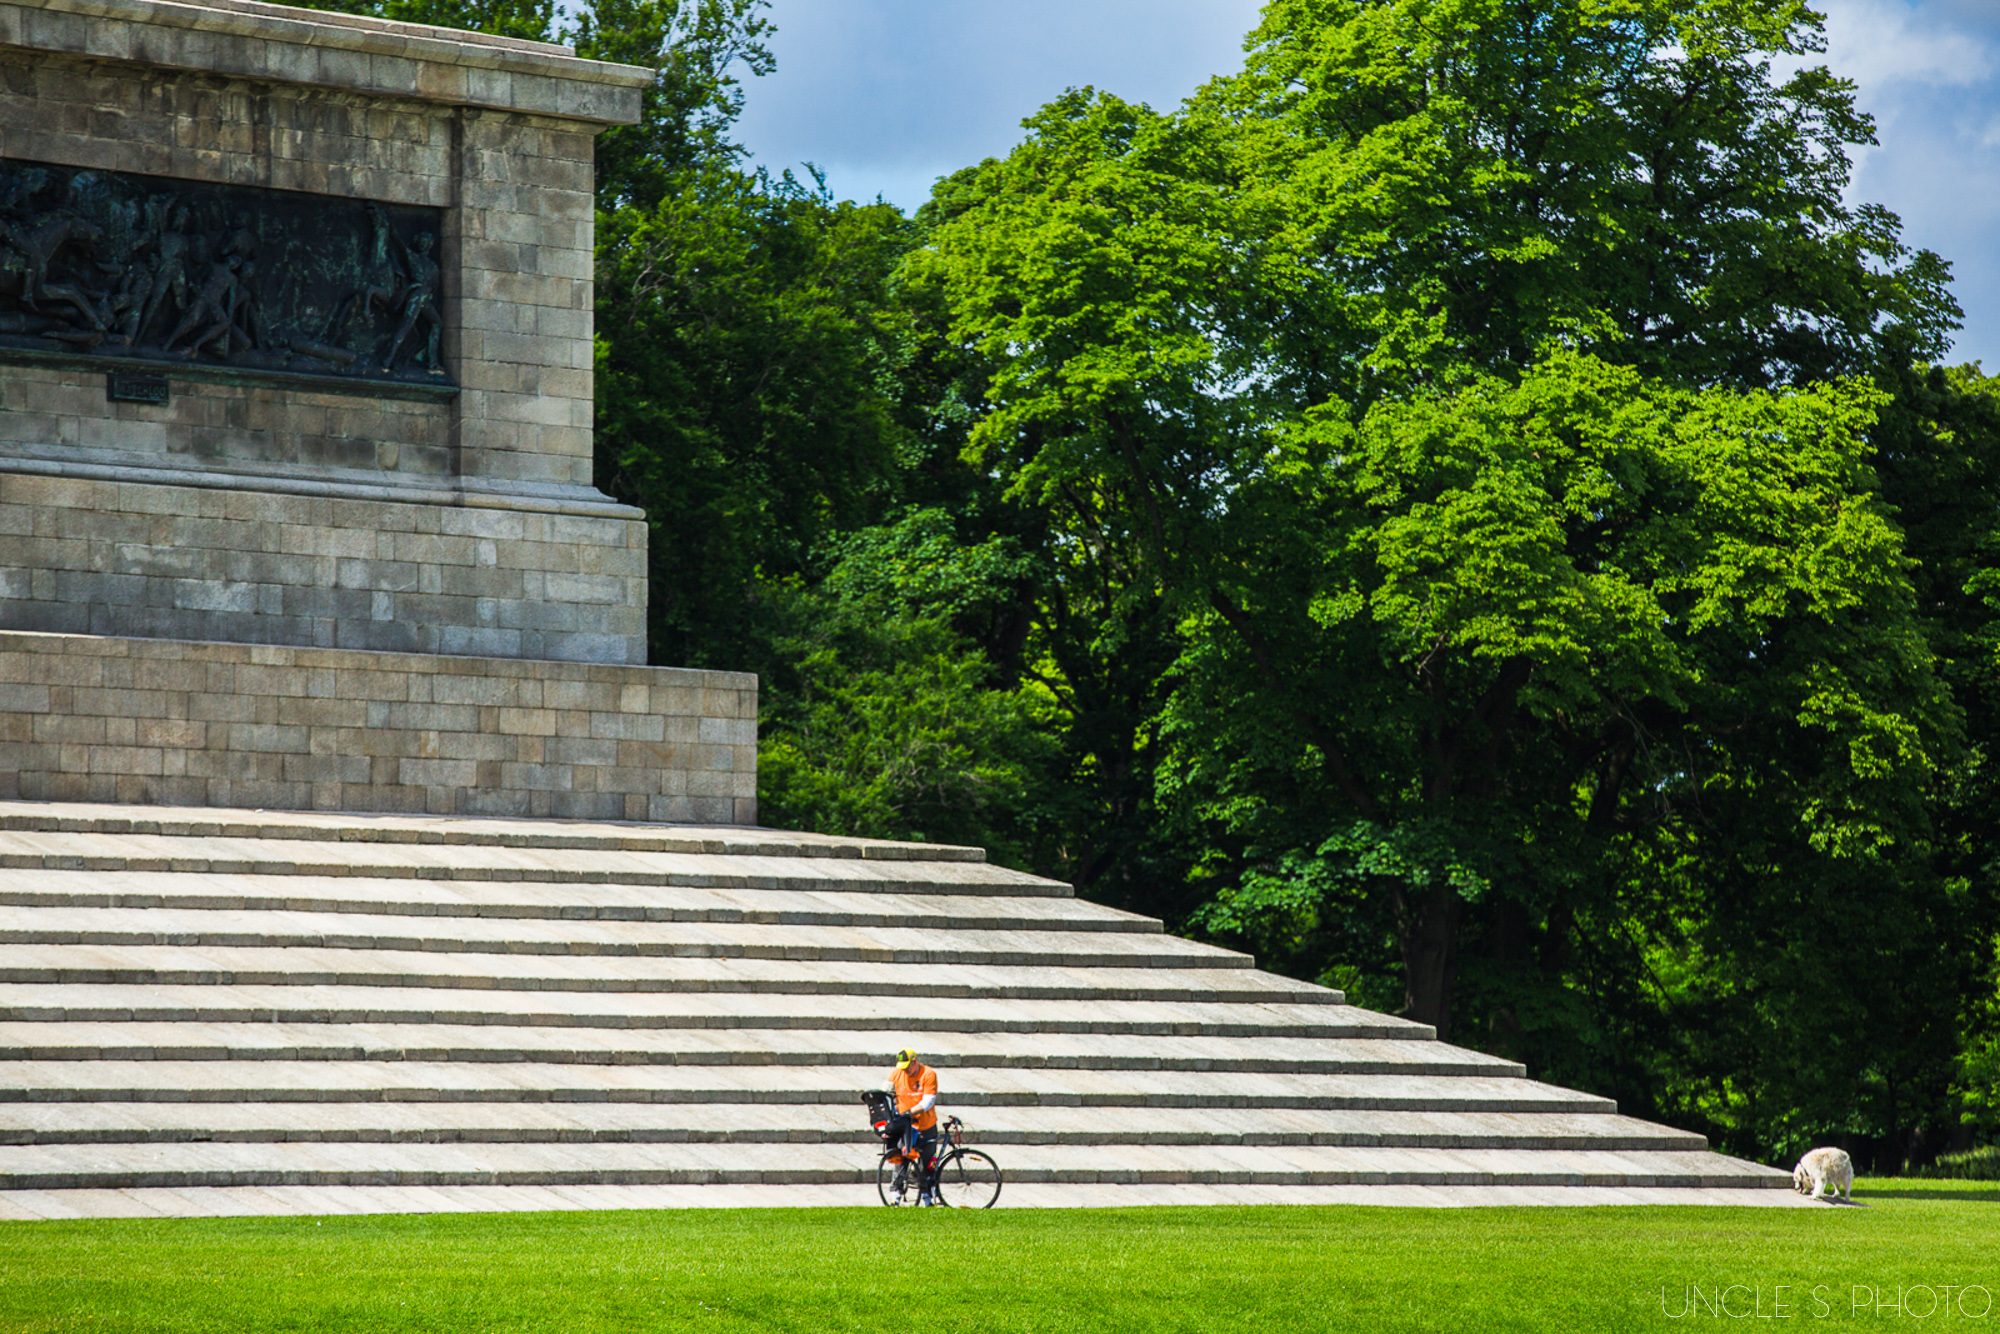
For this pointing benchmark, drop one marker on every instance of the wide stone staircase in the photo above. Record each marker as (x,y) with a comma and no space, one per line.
(209,1011)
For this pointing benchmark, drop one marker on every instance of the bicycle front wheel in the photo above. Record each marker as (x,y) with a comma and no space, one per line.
(893,1179)
(968,1179)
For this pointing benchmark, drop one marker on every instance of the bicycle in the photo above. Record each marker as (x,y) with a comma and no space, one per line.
(958,1178)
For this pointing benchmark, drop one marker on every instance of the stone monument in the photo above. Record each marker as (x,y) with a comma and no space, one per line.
(296,507)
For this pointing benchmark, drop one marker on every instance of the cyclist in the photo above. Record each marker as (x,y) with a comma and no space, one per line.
(915,1088)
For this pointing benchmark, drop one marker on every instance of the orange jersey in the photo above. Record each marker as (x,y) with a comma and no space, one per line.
(909,1092)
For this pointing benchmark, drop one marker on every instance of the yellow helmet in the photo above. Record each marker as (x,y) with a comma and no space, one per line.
(904,1058)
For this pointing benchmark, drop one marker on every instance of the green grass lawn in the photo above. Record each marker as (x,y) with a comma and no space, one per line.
(911,1272)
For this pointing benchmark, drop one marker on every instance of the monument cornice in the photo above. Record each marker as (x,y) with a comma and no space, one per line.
(351,53)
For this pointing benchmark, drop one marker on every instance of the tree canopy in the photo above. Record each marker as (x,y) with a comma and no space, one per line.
(1493,397)
(1464,505)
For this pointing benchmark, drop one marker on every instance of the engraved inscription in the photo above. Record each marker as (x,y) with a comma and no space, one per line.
(206,281)
(152,389)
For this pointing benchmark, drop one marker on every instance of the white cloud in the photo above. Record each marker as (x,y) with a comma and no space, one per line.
(1928,71)
(1878,43)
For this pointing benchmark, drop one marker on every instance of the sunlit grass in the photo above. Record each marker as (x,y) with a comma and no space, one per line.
(1236,1269)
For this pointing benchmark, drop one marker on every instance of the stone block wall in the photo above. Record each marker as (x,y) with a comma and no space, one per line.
(516,255)
(85,718)
(522,236)
(111,557)
(61,417)
(339,551)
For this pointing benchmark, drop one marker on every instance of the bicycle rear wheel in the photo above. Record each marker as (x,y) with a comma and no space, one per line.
(894,1179)
(968,1179)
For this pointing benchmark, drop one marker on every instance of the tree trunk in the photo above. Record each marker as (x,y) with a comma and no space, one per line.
(1428,928)
(1889,1157)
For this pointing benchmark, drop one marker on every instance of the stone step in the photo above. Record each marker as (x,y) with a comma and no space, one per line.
(141,965)
(254,929)
(824,1123)
(294,1201)
(435,1083)
(323,1008)
(421,830)
(78,1003)
(98,854)
(51,1042)
(121,1166)
(812,904)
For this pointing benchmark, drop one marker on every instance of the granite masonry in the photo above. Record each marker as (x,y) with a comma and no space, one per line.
(260,488)
(227,1012)
(90,718)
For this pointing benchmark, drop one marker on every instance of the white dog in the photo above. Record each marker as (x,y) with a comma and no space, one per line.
(1824,1170)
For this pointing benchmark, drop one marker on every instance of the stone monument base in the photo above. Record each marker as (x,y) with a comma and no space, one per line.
(445,567)
(160,721)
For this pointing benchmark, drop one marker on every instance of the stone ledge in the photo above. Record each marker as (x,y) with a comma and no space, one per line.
(409,1163)
(198,1201)
(326,482)
(244,39)
(724,1122)
(536,836)
(178,722)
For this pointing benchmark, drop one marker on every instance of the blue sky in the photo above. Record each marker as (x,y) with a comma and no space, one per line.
(887,95)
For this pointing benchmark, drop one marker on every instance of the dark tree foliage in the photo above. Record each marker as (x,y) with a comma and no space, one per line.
(746,370)
(1452,718)
(695,48)
(1462,506)
(529,20)
(1471,176)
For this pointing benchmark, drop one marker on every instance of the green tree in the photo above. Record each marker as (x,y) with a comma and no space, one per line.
(1499,634)
(746,394)
(529,20)
(1114,257)
(1938,455)
(1468,177)
(889,720)
(1184,314)
(695,48)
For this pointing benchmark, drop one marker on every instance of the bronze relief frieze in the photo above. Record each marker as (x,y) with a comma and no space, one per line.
(125,273)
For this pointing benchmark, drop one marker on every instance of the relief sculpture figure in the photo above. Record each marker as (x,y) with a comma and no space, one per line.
(25,268)
(169,270)
(246,320)
(419,304)
(380,283)
(213,310)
